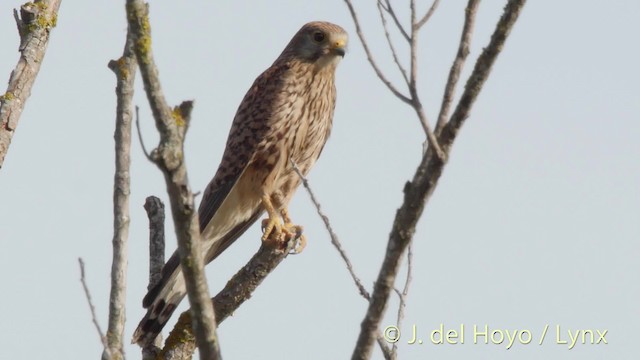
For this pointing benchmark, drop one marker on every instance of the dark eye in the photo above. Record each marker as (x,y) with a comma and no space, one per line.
(318,36)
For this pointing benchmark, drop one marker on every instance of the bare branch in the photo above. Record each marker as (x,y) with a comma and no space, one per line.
(413,98)
(481,71)
(125,70)
(377,70)
(169,157)
(420,188)
(94,318)
(427,16)
(388,8)
(35,22)
(334,238)
(155,213)
(458,63)
(394,53)
(181,342)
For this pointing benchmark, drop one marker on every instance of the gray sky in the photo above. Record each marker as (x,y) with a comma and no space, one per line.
(534,221)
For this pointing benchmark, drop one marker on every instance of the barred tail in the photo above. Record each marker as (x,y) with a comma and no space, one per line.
(161,301)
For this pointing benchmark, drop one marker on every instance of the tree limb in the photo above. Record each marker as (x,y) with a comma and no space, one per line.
(458,63)
(181,341)
(34,26)
(169,157)
(481,71)
(125,70)
(419,189)
(155,213)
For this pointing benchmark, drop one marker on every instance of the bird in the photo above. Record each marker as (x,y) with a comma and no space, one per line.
(281,125)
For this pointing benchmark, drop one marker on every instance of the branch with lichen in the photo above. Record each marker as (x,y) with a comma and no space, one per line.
(172,125)
(125,70)
(418,191)
(35,22)
(180,343)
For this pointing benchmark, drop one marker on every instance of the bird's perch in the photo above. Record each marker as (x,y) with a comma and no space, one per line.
(235,293)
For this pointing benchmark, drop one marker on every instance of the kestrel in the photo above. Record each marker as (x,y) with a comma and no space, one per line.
(285,117)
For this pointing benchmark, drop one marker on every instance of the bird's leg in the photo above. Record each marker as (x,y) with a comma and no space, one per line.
(271,226)
(293,231)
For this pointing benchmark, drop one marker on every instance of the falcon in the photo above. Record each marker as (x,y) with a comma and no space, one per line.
(285,118)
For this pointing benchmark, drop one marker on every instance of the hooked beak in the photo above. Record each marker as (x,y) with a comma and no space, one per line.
(339,47)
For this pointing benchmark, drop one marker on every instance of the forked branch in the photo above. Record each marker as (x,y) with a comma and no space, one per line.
(172,125)
(418,191)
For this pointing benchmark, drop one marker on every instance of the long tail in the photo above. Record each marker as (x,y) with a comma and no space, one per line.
(161,301)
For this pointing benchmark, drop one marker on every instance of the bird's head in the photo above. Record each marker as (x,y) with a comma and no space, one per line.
(319,42)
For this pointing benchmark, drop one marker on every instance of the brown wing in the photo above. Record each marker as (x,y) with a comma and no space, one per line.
(249,127)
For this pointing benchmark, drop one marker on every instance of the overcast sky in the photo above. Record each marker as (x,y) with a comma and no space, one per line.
(534,221)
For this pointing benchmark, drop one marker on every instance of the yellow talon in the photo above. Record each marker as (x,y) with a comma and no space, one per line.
(278,233)
(272,229)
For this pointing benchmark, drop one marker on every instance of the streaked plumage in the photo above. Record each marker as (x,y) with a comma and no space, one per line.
(286,115)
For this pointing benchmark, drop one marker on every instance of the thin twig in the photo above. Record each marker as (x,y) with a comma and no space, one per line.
(427,16)
(402,296)
(375,67)
(92,308)
(418,191)
(334,238)
(413,88)
(386,351)
(458,63)
(394,53)
(125,70)
(391,12)
(144,148)
(35,23)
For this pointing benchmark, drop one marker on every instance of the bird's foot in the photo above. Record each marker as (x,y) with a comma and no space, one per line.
(295,234)
(279,235)
(272,230)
